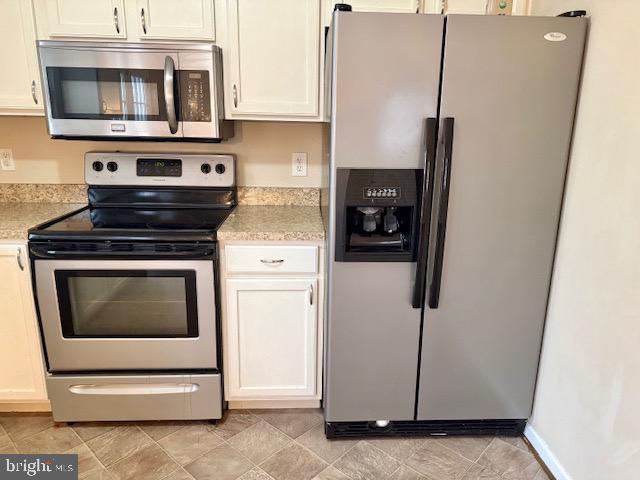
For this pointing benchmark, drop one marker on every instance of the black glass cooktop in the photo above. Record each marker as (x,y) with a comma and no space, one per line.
(110,223)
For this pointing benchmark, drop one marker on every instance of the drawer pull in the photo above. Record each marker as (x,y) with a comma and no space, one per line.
(134,388)
(272,262)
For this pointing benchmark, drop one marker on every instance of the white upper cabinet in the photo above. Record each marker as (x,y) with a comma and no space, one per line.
(20,85)
(271,52)
(21,365)
(183,20)
(82,18)
(473,7)
(392,6)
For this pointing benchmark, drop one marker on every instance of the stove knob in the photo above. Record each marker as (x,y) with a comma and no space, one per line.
(205,168)
(220,168)
(112,166)
(97,166)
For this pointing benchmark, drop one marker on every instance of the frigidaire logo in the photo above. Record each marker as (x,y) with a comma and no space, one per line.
(45,466)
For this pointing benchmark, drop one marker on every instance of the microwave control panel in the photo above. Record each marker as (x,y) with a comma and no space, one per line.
(195,95)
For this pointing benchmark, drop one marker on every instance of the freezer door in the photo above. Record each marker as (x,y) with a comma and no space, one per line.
(507,108)
(386,70)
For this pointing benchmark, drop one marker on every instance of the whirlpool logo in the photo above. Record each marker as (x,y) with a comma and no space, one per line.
(51,467)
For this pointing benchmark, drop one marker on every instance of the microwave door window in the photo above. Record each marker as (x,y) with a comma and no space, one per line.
(106,94)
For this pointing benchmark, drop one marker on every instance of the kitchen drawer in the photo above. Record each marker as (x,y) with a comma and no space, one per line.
(271,259)
(77,398)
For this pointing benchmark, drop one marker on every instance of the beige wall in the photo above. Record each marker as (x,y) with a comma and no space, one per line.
(587,405)
(263,151)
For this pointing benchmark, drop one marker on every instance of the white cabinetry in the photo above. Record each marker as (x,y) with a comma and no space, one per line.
(391,6)
(271,58)
(21,366)
(272,323)
(272,326)
(474,7)
(20,85)
(184,20)
(82,18)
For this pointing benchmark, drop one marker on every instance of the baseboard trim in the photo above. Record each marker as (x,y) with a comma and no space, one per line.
(248,404)
(546,455)
(25,406)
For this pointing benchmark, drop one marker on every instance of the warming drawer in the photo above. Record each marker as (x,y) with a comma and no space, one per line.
(77,398)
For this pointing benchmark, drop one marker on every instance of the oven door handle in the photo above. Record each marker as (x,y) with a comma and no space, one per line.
(134,388)
(169,97)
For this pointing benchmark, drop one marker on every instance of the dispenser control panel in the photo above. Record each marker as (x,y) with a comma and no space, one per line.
(374,193)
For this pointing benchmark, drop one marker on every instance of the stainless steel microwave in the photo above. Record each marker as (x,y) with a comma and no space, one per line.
(153,91)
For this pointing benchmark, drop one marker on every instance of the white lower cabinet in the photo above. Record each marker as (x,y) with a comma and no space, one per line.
(272,323)
(272,337)
(21,366)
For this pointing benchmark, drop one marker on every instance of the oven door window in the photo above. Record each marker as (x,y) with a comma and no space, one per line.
(127,304)
(107,93)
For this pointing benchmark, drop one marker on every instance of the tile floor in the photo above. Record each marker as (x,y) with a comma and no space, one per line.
(262,445)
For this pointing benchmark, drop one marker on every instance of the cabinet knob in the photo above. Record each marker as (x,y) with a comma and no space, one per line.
(33,92)
(235,96)
(143,21)
(116,21)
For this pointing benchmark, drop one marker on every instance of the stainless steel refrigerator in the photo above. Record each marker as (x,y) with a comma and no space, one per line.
(446,153)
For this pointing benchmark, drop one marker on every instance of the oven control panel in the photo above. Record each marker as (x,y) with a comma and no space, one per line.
(168,169)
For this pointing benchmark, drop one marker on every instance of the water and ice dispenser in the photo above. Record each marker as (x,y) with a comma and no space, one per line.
(377,214)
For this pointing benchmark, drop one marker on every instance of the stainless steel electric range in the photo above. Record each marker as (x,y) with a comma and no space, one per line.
(127,289)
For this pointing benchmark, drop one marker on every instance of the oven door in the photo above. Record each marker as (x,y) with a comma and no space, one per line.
(127,314)
(107,92)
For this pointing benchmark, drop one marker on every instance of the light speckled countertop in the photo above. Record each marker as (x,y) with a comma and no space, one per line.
(17,218)
(273,222)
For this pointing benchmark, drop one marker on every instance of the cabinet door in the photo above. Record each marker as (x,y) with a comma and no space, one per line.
(21,368)
(273,57)
(20,85)
(184,20)
(272,337)
(82,18)
(477,7)
(392,6)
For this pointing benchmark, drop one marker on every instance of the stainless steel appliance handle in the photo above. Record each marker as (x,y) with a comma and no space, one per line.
(19,259)
(443,207)
(272,262)
(143,21)
(169,85)
(134,388)
(116,21)
(431,142)
(33,92)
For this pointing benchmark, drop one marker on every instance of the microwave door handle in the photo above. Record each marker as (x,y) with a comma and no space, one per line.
(169,98)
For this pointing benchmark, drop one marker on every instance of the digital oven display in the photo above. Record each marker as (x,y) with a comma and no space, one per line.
(158,167)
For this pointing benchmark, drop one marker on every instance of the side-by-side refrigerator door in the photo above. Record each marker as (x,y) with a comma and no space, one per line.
(386,72)
(507,109)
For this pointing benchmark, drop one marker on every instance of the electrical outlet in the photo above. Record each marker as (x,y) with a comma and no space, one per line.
(299,164)
(6,159)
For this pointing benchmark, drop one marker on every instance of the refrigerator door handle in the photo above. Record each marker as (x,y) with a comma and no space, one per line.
(431,142)
(443,207)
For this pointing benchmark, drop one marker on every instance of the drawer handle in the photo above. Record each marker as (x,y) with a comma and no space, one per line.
(272,262)
(134,388)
